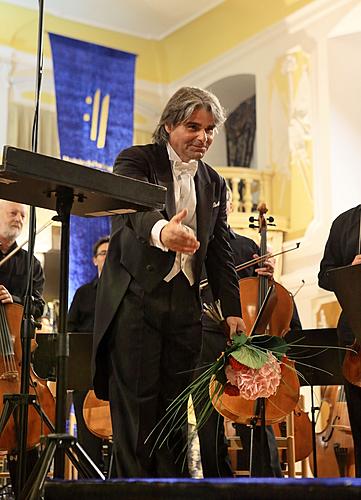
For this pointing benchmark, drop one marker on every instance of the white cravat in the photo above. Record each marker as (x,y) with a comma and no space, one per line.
(184,175)
(185,197)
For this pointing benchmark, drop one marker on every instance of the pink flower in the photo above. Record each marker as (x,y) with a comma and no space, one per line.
(255,383)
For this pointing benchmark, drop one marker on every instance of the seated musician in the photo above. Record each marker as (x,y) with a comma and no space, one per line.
(13,284)
(81,319)
(213,445)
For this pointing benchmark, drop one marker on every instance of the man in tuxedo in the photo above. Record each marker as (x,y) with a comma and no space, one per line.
(148,310)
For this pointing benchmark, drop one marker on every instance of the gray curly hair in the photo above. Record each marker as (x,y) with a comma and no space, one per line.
(180,107)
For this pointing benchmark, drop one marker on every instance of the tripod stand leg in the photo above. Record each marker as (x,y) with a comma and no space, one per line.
(35,482)
(62,443)
(8,409)
(111,464)
(82,462)
(43,416)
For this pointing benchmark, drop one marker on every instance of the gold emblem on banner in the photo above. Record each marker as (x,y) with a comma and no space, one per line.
(98,117)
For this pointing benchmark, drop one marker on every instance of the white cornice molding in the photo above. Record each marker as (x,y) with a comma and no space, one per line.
(6,54)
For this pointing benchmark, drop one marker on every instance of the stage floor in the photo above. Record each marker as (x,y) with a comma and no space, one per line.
(209,489)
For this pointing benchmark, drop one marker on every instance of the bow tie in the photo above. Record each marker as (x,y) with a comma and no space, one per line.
(181,167)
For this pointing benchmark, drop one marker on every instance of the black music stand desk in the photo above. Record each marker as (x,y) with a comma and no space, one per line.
(68,188)
(346,283)
(317,356)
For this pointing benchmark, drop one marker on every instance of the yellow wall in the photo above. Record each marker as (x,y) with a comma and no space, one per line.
(207,37)
(221,29)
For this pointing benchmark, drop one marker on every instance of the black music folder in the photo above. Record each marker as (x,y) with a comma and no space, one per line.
(80,352)
(346,283)
(36,179)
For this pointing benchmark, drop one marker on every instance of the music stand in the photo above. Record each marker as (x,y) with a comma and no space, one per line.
(346,283)
(68,188)
(317,365)
(80,352)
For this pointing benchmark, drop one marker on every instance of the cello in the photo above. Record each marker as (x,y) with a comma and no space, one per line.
(253,291)
(96,414)
(334,443)
(10,365)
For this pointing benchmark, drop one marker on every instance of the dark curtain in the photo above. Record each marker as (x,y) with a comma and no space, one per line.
(240,132)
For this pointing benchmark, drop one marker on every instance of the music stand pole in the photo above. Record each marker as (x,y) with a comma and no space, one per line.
(29,326)
(64,204)
(56,445)
(26,336)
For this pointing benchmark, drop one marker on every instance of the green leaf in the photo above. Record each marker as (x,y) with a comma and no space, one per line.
(251,357)
(277,345)
(239,340)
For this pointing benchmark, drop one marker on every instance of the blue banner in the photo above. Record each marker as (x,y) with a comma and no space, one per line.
(94,88)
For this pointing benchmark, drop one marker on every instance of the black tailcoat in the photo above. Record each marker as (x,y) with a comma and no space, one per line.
(131,257)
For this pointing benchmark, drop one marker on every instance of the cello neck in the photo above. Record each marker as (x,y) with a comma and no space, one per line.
(263,280)
(262,224)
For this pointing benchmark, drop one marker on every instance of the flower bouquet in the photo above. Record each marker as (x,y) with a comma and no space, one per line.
(249,368)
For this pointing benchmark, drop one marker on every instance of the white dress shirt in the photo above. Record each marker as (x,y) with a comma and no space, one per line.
(185,197)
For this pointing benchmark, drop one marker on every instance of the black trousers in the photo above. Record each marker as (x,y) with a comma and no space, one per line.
(213,444)
(155,341)
(353,399)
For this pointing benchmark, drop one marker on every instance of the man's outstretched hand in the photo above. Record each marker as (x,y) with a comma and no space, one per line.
(178,237)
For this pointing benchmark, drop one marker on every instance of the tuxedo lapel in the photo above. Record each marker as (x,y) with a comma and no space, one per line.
(163,173)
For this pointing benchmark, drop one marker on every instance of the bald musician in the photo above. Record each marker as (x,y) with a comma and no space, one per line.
(13,284)
(14,271)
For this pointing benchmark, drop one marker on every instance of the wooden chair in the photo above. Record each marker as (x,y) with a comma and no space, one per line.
(283,443)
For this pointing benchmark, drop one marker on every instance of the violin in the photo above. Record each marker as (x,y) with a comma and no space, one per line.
(334,443)
(302,434)
(10,365)
(276,321)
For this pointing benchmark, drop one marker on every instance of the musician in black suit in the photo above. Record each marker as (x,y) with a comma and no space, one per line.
(81,319)
(343,248)
(147,323)
(213,445)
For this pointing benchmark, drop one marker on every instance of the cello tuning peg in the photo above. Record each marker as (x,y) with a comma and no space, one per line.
(251,219)
(270,219)
(252,226)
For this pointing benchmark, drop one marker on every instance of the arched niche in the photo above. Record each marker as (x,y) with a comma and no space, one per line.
(231,91)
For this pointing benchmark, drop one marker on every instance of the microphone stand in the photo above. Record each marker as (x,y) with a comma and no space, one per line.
(59,443)
(21,401)
(29,325)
